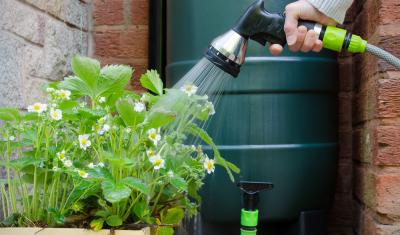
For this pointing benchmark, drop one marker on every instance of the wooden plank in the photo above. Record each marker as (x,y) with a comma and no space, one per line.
(69,231)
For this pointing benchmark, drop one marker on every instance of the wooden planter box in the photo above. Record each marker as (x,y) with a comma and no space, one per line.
(69,231)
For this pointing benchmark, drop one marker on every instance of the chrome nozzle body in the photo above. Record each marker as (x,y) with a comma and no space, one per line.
(232,45)
(228,52)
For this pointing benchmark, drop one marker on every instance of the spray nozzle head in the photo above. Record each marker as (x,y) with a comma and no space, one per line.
(228,51)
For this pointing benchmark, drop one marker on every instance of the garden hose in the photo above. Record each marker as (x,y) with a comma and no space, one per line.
(337,39)
(391,59)
(228,51)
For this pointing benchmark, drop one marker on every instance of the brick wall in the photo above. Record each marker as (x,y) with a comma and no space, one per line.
(121,34)
(37,40)
(374,88)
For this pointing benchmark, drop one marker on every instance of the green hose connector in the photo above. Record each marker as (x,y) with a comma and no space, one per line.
(357,44)
(249,218)
(248,232)
(337,39)
(334,38)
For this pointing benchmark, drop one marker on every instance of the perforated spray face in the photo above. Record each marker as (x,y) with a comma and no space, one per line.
(228,52)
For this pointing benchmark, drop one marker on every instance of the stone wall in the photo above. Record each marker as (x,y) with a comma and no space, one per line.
(37,40)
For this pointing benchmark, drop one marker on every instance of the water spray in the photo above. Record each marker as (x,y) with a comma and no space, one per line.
(228,51)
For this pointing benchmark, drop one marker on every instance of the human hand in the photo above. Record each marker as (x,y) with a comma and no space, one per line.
(297,37)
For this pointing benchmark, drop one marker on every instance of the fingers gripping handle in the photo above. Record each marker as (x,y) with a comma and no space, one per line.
(262,26)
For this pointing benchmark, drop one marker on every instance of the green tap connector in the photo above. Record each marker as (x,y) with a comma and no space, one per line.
(249,218)
(337,39)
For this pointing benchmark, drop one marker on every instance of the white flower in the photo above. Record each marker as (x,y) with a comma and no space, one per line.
(55,168)
(157,161)
(67,163)
(139,107)
(56,114)
(106,127)
(64,94)
(50,90)
(128,130)
(170,174)
(210,108)
(189,89)
(100,164)
(61,155)
(82,174)
(91,165)
(151,153)
(37,108)
(154,136)
(11,138)
(209,165)
(84,141)
(102,99)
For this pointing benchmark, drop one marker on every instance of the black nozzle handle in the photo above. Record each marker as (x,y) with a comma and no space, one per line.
(262,26)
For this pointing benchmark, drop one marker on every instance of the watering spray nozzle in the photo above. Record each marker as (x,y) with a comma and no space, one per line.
(228,51)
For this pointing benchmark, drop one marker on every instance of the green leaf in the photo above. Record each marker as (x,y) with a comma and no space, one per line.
(11,220)
(173,216)
(30,116)
(9,114)
(81,190)
(125,108)
(115,192)
(56,216)
(97,224)
(151,80)
(150,99)
(136,184)
(68,104)
(179,183)
(117,162)
(21,162)
(102,213)
(88,113)
(197,131)
(117,72)
(164,230)
(77,86)
(114,221)
(100,173)
(114,78)
(192,191)
(140,209)
(159,117)
(86,69)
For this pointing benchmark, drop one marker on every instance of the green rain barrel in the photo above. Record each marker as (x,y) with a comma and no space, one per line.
(277,121)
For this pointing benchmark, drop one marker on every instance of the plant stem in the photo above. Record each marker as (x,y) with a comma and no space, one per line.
(3,190)
(157,198)
(2,202)
(10,185)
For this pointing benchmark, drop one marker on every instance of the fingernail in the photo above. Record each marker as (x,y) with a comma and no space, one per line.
(291,40)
